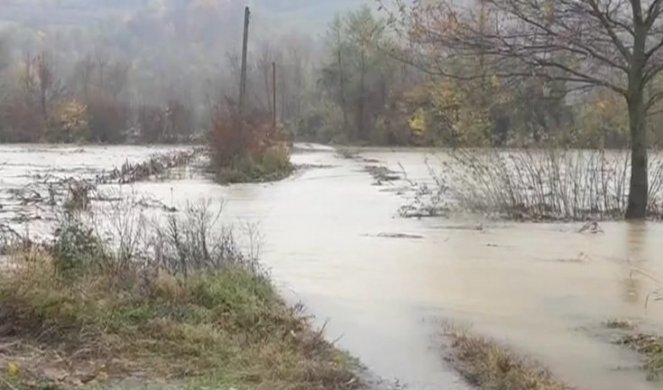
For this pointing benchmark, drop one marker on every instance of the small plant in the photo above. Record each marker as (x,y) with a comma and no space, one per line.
(77,247)
(78,195)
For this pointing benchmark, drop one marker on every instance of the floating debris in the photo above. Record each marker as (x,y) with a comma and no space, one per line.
(381,174)
(591,227)
(401,236)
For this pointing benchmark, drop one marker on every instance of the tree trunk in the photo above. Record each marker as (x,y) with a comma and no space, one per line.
(639,186)
(42,103)
(341,81)
(361,128)
(637,112)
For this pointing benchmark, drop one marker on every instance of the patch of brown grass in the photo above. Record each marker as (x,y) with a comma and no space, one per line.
(491,366)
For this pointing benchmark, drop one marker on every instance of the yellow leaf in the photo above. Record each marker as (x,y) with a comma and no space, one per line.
(12,369)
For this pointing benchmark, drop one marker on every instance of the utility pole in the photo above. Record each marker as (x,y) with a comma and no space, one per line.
(245,48)
(274,97)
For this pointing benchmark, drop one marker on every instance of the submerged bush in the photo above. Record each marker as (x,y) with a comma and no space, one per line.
(547,184)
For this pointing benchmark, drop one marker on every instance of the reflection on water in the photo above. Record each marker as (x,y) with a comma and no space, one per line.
(542,288)
(635,242)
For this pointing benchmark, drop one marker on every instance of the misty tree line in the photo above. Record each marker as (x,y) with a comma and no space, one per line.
(158,75)
(400,76)
(405,76)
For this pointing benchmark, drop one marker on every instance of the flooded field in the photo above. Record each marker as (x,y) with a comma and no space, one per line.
(384,285)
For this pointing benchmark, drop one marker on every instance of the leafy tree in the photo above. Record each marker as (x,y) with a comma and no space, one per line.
(359,73)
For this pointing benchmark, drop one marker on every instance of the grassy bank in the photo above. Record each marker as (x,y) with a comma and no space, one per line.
(195,314)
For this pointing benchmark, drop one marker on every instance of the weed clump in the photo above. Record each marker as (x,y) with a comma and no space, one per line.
(619,323)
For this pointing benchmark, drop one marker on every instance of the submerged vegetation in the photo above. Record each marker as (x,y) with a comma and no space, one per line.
(157,165)
(531,185)
(651,347)
(173,303)
(547,184)
(488,365)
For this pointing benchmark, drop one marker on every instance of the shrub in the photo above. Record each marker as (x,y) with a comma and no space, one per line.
(78,195)
(77,247)
(195,242)
(276,158)
(247,149)
(69,122)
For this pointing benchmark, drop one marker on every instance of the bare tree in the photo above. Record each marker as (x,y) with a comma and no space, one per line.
(264,66)
(337,42)
(117,77)
(613,44)
(101,62)
(82,77)
(45,75)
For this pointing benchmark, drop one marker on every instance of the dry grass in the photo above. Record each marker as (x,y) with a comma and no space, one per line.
(491,366)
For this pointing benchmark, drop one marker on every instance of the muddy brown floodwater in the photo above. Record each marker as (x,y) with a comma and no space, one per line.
(385,285)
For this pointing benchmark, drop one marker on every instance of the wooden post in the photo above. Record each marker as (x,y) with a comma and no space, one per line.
(245,48)
(274,98)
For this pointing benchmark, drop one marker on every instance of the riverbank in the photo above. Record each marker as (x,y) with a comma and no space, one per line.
(197,313)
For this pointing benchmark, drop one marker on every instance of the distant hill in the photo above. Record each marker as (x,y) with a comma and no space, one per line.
(307,15)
